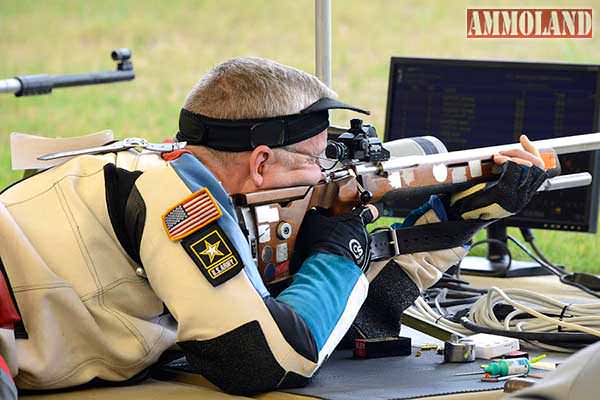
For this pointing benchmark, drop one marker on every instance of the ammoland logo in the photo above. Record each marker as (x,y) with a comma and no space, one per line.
(529,23)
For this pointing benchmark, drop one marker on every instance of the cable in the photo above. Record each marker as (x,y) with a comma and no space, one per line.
(422,310)
(437,303)
(441,302)
(532,317)
(550,267)
(448,294)
(559,337)
(585,317)
(460,288)
(563,279)
(530,238)
(454,303)
(537,251)
(544,262)
(541,320)
(501,244)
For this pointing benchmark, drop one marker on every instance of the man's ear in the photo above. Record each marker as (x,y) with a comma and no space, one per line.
(259,158)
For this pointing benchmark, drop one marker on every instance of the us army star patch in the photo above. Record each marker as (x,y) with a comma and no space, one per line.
(213,253)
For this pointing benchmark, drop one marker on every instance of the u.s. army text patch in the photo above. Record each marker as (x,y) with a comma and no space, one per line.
(213,253)
(192,213)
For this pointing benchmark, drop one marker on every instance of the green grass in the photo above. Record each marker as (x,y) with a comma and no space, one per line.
(175,42)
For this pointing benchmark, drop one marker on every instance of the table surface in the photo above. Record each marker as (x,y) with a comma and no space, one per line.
(191,386)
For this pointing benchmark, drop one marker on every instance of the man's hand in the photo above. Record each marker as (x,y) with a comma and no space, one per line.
(528,156)
(523,172)
(343,235)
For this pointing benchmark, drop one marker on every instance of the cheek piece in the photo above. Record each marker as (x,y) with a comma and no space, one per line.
(237,135)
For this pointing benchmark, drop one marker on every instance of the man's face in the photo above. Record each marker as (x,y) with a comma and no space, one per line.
(297,166)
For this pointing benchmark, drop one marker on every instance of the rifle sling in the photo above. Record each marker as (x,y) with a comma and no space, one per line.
(390,242)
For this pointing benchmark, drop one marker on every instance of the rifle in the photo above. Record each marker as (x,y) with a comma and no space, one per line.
(31,85)
(368,172)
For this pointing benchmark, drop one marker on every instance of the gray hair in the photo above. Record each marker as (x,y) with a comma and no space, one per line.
(252,87)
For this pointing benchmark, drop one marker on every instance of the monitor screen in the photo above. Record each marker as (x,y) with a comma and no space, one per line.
(468,104)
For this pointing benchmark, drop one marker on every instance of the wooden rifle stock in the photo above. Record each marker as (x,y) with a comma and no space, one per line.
(272,218)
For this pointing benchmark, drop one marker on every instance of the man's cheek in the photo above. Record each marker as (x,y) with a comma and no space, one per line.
(298,178)
(311,177)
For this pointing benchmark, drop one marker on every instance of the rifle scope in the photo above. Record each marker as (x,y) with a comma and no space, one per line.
(359,143)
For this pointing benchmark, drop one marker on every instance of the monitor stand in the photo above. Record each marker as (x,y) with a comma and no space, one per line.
(496,262)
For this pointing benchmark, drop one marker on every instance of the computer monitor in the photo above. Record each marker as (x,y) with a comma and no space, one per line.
(468,104)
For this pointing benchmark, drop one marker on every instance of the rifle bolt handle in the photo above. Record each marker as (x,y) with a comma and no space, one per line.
(284,230)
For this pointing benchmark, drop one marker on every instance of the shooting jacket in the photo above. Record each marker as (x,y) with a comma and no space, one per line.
(103,291)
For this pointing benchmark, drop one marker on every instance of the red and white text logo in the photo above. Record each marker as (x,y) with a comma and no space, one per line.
(529,23)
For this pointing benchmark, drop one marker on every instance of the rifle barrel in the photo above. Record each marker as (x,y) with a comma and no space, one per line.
(562,145)
(92,78)
(29,85)
(11,85)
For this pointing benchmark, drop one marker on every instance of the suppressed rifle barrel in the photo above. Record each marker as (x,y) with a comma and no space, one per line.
(562,145)
(29,85)
(11,85)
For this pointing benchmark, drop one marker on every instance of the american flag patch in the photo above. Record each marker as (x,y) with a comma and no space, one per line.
(193,213)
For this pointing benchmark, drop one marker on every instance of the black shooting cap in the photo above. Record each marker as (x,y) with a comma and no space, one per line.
(246,134)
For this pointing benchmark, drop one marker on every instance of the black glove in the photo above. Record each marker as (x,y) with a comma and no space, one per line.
(343,235)
(508,195)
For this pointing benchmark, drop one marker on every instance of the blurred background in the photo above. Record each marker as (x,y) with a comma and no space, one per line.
(175,42)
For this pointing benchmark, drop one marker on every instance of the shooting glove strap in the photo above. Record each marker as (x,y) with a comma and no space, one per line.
(506,196)
(390,242)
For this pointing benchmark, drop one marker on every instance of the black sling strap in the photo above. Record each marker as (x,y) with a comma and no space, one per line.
(390,242)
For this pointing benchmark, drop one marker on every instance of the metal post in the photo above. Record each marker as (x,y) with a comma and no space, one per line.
(323,40)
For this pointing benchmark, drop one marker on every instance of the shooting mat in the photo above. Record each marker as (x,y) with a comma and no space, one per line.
(410,377)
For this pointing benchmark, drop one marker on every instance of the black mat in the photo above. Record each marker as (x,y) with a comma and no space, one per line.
(410,377)
(407,377)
